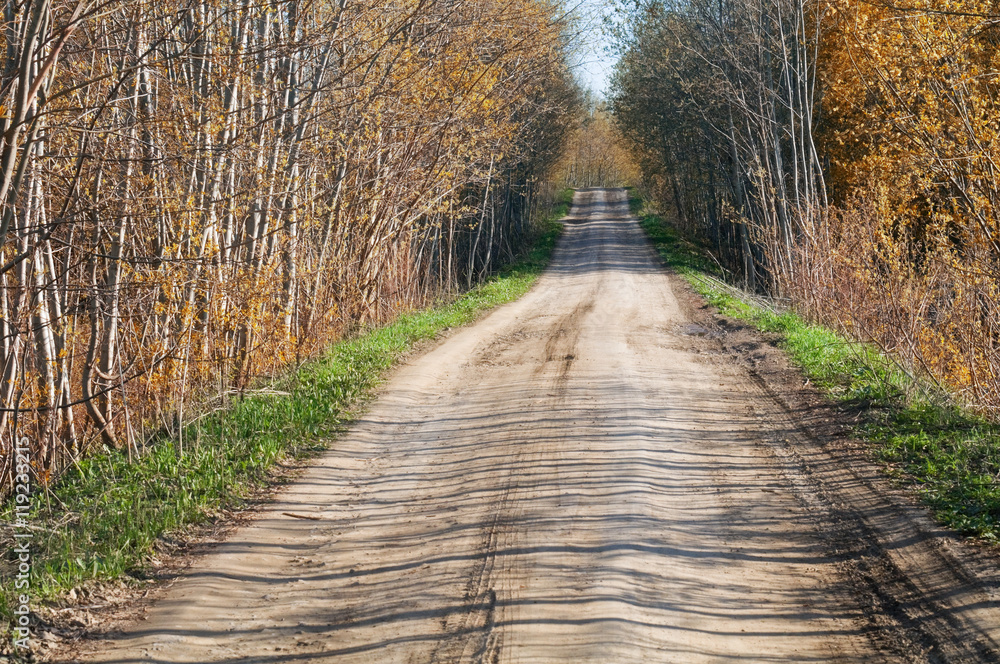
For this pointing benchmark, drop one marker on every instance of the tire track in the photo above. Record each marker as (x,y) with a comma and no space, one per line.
(573,479)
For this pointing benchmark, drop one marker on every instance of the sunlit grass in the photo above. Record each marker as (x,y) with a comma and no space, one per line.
(951,457)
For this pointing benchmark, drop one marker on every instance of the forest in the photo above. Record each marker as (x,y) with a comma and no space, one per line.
(364,331)
(198,194)
(839,155)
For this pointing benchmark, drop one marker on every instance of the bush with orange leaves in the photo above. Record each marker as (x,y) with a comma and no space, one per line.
(911,258)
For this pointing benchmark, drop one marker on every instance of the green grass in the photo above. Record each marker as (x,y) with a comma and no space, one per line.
(949,456)
(103,518)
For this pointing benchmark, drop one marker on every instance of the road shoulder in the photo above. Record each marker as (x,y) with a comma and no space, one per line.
(927,593)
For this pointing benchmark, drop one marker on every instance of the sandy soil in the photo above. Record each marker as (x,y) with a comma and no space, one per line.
(600,472)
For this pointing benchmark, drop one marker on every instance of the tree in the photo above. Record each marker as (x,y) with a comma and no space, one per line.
(197,194)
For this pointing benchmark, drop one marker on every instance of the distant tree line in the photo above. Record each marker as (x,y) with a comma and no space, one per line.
(594,153)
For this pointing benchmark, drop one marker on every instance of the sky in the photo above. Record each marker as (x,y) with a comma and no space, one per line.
(592,64)
(594,72)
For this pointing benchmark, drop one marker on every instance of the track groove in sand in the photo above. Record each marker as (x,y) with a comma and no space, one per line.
(584,475)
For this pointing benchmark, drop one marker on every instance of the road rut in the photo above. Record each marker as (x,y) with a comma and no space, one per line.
(585,475)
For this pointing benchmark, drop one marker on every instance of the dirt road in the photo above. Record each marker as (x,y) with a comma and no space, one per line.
(590,474)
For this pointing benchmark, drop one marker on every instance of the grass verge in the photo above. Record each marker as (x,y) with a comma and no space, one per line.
(103,518)
(949,456)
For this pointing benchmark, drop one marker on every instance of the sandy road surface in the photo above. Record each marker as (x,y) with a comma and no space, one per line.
(583,476)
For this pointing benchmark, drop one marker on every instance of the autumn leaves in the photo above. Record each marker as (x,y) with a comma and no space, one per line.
(201,193)
(841,154)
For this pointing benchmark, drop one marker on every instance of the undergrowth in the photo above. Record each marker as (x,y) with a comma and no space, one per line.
(103,518)
(948,455)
